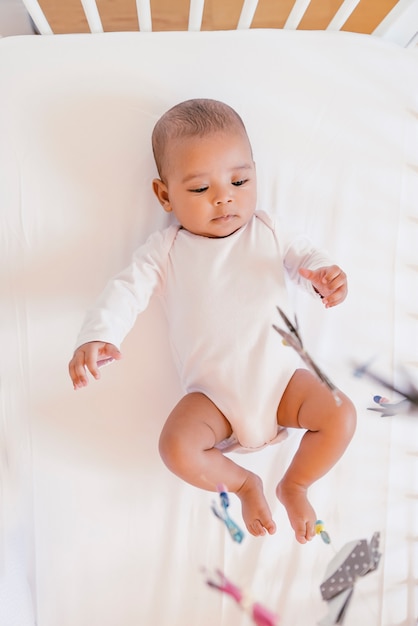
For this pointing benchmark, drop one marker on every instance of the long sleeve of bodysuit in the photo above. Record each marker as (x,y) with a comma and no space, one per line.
(128,294)
(298,253)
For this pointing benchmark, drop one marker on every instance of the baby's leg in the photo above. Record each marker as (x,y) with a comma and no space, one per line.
(308,404)
(186,446)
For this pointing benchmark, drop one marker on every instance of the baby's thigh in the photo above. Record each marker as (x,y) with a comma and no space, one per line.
(195,420)
(308,403)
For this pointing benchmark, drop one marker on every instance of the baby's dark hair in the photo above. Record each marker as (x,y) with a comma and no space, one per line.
(191,118)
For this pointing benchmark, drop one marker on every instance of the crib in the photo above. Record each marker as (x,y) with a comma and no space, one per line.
(94,529)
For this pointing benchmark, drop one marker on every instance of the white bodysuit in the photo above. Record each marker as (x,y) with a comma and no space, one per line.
(220,297)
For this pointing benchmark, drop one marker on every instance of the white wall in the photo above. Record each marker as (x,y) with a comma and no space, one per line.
(14,19)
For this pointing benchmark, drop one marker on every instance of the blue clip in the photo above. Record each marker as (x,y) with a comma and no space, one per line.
(234,530)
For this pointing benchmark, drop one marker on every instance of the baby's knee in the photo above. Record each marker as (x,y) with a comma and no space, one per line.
(346,415)
(172,450)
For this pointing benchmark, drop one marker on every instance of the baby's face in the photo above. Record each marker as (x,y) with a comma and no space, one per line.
(210,183)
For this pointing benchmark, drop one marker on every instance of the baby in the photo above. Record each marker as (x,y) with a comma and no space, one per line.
(220,273)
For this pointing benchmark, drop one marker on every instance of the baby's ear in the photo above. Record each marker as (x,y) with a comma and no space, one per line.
(161,191)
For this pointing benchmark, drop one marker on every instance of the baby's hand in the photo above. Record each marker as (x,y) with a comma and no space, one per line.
(330,282)
(91,355)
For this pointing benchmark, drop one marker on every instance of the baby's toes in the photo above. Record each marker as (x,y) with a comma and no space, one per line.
(270,526)
(301,531)
(256,528)
(259,527)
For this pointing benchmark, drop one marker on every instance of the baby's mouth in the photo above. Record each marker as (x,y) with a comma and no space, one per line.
(223,218)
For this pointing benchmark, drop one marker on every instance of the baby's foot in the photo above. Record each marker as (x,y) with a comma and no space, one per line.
(299,510)
(255,510)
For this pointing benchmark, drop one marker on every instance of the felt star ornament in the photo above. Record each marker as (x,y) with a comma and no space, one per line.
(354,560)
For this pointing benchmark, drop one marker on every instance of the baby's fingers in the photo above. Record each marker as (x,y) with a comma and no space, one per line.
(335,298)
(85,358)
(91,358)
(77,370)
(333,277)
(335,286)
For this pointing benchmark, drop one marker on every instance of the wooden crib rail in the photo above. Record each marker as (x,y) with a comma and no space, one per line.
(394,20)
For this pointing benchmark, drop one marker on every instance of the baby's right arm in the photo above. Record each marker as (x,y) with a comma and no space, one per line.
(115,311)
(90,356)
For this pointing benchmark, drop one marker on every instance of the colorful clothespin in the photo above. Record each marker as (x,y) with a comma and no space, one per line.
(388,408)
(234,530)
(259,614)
(320,530)
(409,395)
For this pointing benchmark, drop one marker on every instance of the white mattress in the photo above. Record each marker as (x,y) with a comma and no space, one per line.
(95,530)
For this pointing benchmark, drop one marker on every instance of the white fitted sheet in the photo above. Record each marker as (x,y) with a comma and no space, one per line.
(95,530)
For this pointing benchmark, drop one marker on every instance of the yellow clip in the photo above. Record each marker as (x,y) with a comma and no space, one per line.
(320,530)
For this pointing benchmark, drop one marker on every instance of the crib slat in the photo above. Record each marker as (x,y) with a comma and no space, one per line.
(296,14)
(143,8)
(92,16)
(38,17)
(401,24)
(247,14)
(342,14)
(196,14)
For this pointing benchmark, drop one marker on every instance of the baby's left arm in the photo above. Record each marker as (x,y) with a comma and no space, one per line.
(330,282)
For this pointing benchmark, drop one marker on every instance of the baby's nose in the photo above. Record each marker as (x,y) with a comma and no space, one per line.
(222,197)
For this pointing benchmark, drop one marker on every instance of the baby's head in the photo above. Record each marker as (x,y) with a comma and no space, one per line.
(207,173)
(193,118)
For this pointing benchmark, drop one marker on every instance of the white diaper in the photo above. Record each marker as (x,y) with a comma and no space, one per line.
(231,443)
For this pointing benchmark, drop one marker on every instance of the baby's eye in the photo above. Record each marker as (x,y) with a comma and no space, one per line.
(198,190)
(238,183)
